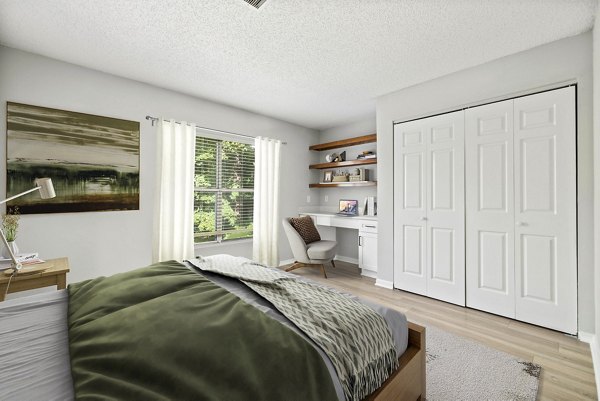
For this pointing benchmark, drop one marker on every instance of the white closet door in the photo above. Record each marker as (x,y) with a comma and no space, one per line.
(445,207)
(410,214)
(490,208)
(545,209)
(429,207)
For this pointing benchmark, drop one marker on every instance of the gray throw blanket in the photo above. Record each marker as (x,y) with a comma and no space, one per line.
(354,336)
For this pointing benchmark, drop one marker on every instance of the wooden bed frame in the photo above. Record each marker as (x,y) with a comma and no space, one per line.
(408,381)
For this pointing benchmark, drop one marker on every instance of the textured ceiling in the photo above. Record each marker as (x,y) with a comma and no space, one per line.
(317,63)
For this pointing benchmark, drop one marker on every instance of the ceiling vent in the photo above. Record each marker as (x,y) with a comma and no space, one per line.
(255,3)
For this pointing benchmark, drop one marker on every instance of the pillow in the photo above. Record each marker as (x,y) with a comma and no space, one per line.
(306,228)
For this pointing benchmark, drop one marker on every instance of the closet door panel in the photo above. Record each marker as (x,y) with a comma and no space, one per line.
(445,207)
(409,207)
(413,188)
(489,208)
(492,175)
(414,251)
(443,179)
(442,260)
(538,263)
(545,209)
(493,266)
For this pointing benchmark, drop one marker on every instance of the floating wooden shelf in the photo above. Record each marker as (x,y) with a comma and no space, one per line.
(343,184)
(343,164)
(359,140)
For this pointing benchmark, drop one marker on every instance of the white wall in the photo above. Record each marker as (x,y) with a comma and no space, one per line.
(347,238)
(102,243)
(565,60)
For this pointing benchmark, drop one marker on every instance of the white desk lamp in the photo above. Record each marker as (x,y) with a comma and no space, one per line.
(46,192)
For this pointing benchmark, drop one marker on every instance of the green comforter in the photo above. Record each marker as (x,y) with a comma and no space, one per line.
(166,333)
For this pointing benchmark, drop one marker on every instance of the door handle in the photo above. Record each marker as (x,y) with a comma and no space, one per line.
(369,226)
(423,218)
(521,224)
(359,240)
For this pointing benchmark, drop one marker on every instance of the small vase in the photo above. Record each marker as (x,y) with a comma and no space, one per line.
(13,247)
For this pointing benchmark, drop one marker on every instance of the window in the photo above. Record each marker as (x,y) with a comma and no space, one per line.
(224,190)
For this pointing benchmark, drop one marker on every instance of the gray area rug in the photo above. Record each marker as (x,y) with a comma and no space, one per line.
(460,369)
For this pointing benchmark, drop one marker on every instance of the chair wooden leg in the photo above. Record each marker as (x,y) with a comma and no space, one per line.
(295,266)
(332,263)
(298,265)
(323,270)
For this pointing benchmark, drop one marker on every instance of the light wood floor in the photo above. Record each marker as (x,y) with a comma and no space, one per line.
(567,371)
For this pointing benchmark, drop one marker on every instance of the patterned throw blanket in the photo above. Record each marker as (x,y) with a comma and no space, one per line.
(356,339)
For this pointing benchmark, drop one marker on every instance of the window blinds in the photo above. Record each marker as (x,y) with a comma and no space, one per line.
(224,190)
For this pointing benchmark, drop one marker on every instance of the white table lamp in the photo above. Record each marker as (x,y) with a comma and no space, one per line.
(44,185)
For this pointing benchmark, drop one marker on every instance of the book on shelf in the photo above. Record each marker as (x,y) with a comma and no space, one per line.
(23,258)
(370,206)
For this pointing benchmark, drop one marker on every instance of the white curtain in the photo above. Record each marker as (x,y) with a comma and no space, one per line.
(174,207)
(266,201)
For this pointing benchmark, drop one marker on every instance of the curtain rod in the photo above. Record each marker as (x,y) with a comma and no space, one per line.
(155,119)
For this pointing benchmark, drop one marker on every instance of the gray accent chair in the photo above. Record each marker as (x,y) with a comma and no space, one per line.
(314,254)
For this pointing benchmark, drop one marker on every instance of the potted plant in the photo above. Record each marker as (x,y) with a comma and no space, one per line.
(10,225)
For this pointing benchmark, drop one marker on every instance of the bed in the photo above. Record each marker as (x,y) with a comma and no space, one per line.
(34,350)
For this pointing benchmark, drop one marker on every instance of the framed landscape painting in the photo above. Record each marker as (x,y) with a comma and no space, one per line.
(94,161)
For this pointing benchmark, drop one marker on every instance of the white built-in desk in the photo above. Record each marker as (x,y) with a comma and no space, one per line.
(367,236)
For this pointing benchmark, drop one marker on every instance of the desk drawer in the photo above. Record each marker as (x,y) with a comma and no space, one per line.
(345,222)
(322,220)
(368,227)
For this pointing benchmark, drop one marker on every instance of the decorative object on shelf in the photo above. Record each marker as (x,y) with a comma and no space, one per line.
(358,174)
(335,158)
(44,185)
(328,176)
(367,154)
(94,160)
(340,176)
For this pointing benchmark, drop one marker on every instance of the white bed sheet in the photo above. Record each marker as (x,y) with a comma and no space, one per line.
(34,348)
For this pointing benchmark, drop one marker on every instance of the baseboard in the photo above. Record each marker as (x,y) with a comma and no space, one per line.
(286,262)
(368,273)
(384,283)
(592,339)
(595,348)
(346,259)
(585,337)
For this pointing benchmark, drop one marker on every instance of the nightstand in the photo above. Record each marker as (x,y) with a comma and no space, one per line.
(56,274)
